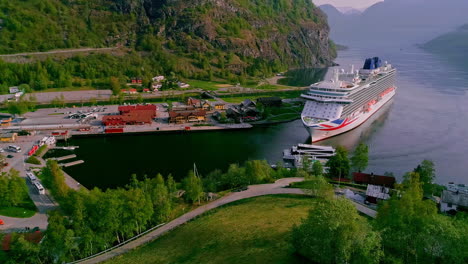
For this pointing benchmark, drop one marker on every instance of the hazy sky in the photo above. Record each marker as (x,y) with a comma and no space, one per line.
(347,3)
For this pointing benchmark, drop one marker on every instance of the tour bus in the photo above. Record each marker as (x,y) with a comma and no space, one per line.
(32,178)
(39,187)
(14,148)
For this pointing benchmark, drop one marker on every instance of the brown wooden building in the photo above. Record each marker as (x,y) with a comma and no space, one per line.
(180,117)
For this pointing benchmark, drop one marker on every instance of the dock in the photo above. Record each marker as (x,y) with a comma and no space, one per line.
(67,148)
(64,157)
(69,164)
(72,183)
(296,155)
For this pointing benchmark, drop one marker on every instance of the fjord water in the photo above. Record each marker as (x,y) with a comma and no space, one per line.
(427,119)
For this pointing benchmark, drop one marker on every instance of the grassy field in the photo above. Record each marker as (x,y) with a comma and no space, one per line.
(254,230)
(237,98)
(66,89)
(24,210)
(284,117)
(207,85)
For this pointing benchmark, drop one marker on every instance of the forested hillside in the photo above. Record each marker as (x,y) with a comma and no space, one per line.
(201,39)
(452,46)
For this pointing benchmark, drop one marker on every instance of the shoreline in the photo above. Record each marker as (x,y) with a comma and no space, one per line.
(154,130)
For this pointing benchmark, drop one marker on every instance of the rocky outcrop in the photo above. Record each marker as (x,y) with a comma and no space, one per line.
(295,34)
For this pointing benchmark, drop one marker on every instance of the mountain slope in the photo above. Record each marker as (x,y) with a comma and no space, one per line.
(408,21)
(452,46)
(291,31)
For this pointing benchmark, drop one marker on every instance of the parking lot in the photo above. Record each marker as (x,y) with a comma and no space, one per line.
(68,115)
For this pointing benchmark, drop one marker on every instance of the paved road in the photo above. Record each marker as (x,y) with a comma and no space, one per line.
(253,191)
(57,52)
(43,202)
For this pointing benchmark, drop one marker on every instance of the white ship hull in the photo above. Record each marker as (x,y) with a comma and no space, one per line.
(330,129)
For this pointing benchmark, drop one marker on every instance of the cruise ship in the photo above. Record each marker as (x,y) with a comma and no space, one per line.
(347,100)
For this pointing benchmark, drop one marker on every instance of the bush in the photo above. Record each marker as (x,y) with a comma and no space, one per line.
(335,233)
(41,151)
(33,160)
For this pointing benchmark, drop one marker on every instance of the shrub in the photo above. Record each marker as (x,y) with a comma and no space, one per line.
(33,160)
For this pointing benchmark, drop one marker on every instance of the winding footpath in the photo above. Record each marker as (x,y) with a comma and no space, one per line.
(253,191)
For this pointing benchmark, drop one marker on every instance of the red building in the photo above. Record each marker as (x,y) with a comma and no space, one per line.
(131,115)
(364,178)
(33,237)
(124,109)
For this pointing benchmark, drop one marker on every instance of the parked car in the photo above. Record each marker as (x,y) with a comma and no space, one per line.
(9,156)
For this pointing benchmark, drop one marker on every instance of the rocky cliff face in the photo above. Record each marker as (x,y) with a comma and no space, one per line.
(220,37)
(293,32)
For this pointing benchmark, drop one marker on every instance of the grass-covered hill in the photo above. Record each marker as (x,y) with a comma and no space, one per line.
(196,38)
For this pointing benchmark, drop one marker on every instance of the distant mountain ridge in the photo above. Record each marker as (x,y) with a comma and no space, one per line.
(452,45)
(407,20)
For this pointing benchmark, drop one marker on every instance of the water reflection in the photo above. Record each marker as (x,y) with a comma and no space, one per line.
(364,132)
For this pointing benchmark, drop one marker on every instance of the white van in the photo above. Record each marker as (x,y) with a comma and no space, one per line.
(14,148)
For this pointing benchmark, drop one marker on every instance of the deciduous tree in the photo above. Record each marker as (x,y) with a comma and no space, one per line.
(360,158)
(317,168)
(193,187)
(413,232)
(338,165)
(335,233)
(426,171)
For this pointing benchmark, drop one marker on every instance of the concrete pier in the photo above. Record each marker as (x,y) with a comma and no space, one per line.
(64,157)
(71,163)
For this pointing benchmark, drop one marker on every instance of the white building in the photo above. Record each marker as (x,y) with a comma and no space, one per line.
(14,89)
(158,78)
(47,141)
(183,85)
(377,193)
(455,196)
(156,87)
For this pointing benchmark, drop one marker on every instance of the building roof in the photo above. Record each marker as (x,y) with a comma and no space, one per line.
(247,102)
(173,114)
(8,135)
(193,101)
(373,179)
(129,108)
(34,237)
(269,99)
(378,192)
(142,116)
(457,198)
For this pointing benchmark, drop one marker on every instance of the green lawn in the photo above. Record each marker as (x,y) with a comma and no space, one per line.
(24,210)
(66,89)
(255,230)
(284,117)
(306,185)
(253,96)
(207,85)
